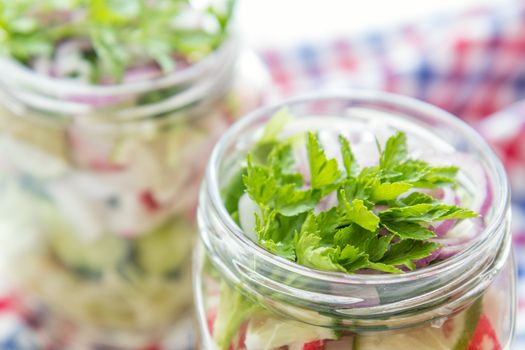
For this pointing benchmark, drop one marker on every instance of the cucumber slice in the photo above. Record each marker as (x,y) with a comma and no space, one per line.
(269,333)
(96,255)
(166,248)
(454,334)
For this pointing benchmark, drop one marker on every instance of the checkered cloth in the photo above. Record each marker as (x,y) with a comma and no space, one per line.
(472,66)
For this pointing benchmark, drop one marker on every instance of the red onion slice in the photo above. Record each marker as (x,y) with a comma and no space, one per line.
(488,197)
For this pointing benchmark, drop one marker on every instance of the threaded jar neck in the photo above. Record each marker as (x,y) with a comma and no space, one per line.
(26,92)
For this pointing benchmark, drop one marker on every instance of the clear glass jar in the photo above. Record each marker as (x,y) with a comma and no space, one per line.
(98,191)
(262,301)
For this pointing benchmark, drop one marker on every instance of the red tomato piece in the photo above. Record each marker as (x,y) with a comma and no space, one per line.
(314,345)
(149,201)
(484,337)
(210,318)
(242,335)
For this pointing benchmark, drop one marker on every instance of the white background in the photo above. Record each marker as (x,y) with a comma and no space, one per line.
(275,23)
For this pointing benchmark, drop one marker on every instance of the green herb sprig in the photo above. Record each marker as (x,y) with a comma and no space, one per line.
(375,224)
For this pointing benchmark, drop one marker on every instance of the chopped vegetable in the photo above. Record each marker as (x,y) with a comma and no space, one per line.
(268,332)
(454,334)
(233,310)
(484,337)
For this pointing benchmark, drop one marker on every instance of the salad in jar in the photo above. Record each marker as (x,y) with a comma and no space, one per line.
(108,41)
(344,231)
(108,110)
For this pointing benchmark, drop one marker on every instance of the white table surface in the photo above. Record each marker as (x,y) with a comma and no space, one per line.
(280,23)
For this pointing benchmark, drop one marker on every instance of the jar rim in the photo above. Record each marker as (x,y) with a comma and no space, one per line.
(60,86)
(501,202)
(25,92)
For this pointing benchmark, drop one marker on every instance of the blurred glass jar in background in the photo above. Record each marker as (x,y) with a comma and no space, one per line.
(98,189)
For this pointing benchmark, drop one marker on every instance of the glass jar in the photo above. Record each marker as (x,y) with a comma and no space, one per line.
(258,300)
(98,191)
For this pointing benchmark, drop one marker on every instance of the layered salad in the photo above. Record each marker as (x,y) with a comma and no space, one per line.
(354,197)
(98,179)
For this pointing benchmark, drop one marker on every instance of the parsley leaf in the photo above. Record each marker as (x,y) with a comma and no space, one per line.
(407,251)
(395,151)
(328,222)
(233,192)
(260,183)
(439,176)
(415,198)
(323,172)
(309,251)
(282,161)
(357,188)
(352,258)
(426,213)
(275,126)
(420,174)
(348,157)
(388,191)
(268,148)
(277,232)
(408,230)
(358,213)
(385,268)
(291,201)
(369,242)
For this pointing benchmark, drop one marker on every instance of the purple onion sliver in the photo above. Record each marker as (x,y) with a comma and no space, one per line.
(142,73)
(450,251)
(475,230)
(328,202)
(437,193)
(443,227)
(426,261)
(98,101)
(449,196)
(487,202)
(379,208)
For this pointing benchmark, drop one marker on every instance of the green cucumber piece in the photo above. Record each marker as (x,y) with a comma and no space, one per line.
(94,256)
(269,333)
(163,250)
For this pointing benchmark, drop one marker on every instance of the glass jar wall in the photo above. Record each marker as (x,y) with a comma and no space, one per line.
(98,188)
(247,298)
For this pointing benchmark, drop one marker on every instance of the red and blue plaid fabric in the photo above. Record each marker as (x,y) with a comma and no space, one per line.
(472,65)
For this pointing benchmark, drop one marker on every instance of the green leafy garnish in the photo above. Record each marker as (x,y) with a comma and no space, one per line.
(356,212)
(375,224)
(113,35)
(323,172)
